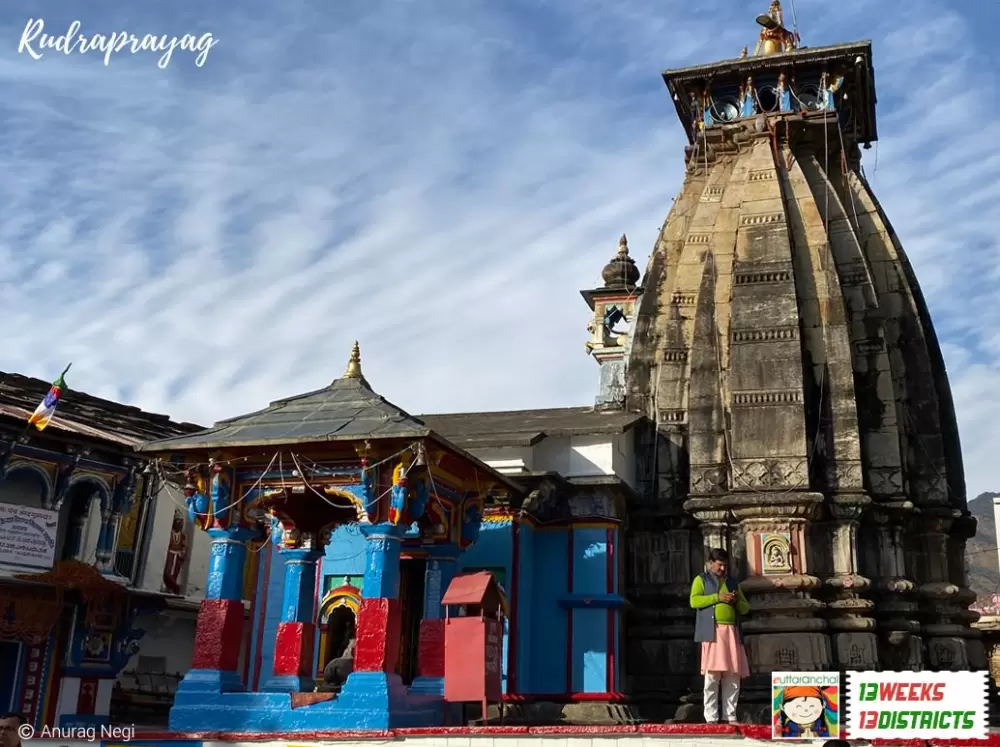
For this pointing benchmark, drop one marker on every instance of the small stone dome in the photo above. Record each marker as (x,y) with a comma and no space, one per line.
(621,272)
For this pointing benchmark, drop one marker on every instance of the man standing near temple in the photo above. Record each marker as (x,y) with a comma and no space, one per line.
(719,603)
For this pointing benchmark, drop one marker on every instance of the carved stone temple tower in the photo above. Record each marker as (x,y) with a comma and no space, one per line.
(801,411)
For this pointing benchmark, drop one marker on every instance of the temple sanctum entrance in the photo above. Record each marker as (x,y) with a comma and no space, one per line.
(411,605)
(341,630)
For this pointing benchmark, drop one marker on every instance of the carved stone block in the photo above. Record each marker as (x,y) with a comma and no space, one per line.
(856,651)
(798,652)
(947,654)
(764,474)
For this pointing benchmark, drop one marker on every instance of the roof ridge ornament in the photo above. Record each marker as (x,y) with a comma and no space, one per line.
(354,365)
(623,246)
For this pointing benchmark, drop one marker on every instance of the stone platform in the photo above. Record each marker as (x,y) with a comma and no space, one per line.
(644,735)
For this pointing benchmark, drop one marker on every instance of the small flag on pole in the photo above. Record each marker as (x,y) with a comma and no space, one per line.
(42,415)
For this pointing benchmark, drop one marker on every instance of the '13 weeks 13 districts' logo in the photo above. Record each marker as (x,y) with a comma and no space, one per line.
(805,705)
(916,705)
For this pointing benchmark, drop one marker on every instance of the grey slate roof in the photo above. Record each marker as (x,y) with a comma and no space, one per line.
(528,427)
(347,410)
(82,415)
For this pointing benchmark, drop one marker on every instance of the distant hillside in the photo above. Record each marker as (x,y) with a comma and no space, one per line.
(981,551)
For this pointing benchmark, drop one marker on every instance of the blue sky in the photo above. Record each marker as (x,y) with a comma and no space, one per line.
(435,179)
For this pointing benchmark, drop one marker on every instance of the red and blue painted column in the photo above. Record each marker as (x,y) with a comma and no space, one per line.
(442,565)
(295,641)
(219,632)
(374,697)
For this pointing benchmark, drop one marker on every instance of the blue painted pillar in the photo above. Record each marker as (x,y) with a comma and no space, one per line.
(296,636)
(219,631)
(225,565)
(374,697)
(442,565)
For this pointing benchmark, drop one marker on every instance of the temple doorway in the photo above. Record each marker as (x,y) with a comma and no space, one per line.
(411,606)
(340,630)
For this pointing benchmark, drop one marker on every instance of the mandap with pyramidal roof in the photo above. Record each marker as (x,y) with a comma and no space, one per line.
(336,472)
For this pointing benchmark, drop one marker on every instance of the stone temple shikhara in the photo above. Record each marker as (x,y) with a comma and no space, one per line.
(772,386)
(800,412)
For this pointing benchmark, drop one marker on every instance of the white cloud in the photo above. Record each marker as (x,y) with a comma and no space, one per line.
(437,181)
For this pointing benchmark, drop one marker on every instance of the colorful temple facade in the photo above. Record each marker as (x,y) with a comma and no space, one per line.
(772,385)
(366,512)
(75,515)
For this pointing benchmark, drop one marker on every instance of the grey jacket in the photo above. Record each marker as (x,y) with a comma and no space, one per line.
(704,619)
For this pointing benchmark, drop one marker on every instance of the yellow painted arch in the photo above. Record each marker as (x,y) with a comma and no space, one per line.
(342,596)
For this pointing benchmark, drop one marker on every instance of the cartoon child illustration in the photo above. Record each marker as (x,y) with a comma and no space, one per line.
(806,712)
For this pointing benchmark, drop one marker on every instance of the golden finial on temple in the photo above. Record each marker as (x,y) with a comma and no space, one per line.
(354,365)
(623,246)
(744,52)
(774,37)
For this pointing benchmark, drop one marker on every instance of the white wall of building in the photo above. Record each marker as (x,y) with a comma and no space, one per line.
(570,456)
(168,644)
(511,460)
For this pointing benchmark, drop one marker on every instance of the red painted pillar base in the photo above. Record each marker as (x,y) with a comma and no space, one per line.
(294,647)
(217,639)
(378,636)
(430,653)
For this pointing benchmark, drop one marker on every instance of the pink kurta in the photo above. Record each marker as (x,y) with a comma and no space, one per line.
(725,654)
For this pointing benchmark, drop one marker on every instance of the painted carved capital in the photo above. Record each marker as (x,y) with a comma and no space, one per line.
(704,513)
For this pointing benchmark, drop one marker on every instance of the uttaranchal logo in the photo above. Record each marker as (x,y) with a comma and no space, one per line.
(805,705)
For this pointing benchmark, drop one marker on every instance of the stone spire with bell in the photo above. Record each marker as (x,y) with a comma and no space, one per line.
(613,306)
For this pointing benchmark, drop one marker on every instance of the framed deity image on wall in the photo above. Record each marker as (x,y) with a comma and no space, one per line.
(776,553)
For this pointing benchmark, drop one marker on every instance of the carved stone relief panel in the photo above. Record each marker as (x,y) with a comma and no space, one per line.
(902,653)
(775,553)
(856,651)
(709,479)
(947,654)
(885,481)
(797,652)
(769,474)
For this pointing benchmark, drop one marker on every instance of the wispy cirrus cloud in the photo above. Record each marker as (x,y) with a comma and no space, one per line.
(437,180)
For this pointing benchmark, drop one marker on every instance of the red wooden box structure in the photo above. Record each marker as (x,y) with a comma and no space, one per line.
(473,641)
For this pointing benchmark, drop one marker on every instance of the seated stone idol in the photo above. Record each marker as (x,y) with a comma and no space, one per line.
(336,671)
